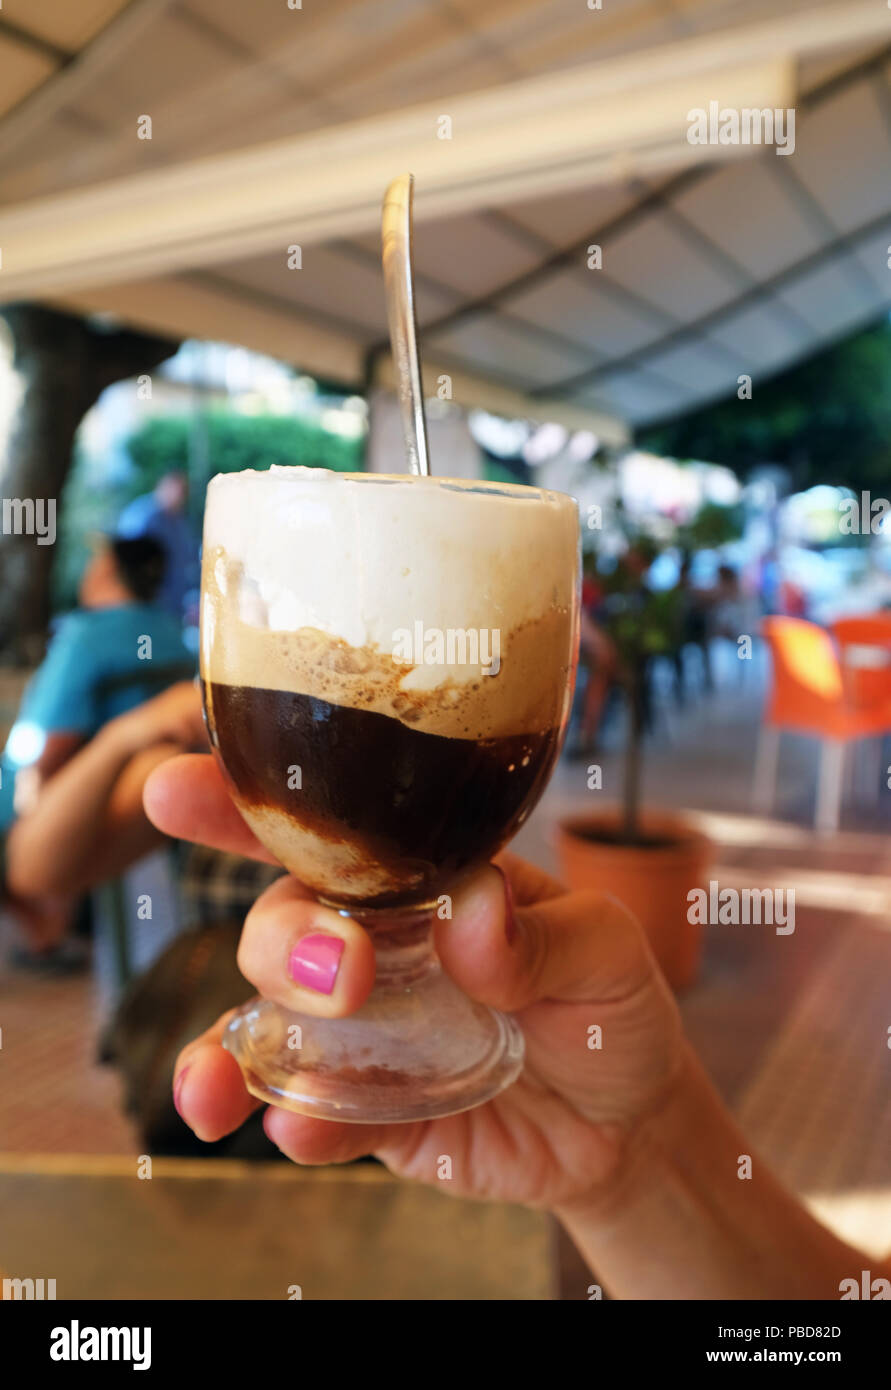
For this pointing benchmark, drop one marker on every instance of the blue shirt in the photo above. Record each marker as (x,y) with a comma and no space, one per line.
(100,663)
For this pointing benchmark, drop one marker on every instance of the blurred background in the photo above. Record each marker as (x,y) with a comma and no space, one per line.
(691,338)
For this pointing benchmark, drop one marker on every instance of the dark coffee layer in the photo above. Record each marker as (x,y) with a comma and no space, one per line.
(413,807)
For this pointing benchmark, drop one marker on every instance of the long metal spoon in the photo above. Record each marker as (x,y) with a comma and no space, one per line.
(396,240)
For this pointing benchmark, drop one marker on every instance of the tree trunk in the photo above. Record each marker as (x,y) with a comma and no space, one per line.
(63,365)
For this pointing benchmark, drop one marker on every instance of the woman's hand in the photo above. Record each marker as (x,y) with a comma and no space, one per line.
(627,1142)
(564,964)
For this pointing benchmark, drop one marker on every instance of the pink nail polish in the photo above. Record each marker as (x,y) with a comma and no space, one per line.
(315,960)
(178,1088)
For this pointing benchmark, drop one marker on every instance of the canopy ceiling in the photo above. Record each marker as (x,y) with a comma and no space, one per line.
(569,129)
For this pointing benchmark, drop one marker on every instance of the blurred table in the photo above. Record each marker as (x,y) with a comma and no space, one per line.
(226,1229)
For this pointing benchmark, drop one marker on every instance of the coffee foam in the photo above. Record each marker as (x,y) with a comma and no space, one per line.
(309,575)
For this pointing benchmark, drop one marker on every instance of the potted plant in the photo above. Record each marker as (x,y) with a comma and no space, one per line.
(648,860)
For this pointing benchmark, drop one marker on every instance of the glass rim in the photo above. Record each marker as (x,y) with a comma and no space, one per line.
(476,486)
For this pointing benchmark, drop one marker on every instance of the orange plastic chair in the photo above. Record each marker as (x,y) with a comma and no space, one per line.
(867,630)
(866,681)
(809,695)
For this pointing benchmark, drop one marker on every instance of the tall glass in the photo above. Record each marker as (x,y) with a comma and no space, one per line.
(387,665)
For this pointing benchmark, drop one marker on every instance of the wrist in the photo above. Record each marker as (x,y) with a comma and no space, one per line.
(646,1149)
(683,1218)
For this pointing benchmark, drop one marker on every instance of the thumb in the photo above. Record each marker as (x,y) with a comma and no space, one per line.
(569,947)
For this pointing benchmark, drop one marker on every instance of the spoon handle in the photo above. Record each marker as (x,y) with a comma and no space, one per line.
(396,238)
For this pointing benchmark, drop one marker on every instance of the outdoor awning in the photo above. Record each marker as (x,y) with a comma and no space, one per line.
(274,127)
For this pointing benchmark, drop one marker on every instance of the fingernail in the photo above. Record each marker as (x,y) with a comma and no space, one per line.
(178,1089)
(510,921)
(315,961)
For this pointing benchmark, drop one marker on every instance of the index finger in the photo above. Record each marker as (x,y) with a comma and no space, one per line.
(187,798)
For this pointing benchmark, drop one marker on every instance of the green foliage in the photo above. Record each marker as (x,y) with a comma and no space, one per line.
(643,622)
(233,442)
(494,471)
(828,420)
(711,527)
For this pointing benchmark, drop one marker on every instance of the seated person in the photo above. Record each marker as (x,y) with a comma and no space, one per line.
(88,826)
(691,622)
(729,614)
(161,515)
(108,656)
(92,815)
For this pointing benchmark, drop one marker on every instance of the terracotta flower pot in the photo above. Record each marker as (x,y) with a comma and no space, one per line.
(652,880)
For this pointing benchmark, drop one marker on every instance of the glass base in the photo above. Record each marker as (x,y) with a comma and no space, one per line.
(417,1049)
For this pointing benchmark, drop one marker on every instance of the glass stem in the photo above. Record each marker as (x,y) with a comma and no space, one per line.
(403,945)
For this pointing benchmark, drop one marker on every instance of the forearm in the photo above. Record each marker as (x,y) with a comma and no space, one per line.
(681,1223)
(76,834)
